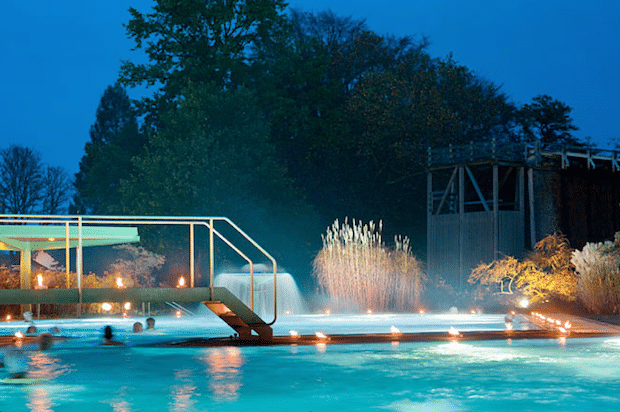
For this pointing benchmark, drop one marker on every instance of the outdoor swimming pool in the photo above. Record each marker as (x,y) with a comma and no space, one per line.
(524,375)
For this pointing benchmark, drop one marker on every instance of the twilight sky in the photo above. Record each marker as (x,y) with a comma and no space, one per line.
(58,56)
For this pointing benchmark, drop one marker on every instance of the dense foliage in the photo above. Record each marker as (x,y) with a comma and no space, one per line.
(114,141)
(289,120)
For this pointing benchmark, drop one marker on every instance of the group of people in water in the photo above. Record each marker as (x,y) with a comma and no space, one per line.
(137,328)
(15,361)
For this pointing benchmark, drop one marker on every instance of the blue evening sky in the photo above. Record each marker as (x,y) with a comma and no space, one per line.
(58,56)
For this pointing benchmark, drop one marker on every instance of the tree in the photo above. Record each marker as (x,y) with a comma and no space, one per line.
(548,121)
(212,157)
(114,141)
(21,179)
(139,266)
(305,82)
(197,41)
(352,113)
(56,190)
(211,154)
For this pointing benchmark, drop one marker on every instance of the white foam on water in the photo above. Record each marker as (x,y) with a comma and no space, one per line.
(433,405)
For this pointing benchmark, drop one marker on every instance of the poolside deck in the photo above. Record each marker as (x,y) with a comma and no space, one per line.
(582,325)
(580,328)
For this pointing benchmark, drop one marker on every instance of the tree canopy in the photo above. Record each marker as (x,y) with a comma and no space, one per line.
(27,185)
(114,141)
(252,109)
(548,121)
(198,41)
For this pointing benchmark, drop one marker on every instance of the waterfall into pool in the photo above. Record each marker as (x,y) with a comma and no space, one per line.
(289,299)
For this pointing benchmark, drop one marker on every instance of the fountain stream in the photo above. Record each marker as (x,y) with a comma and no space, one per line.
(290,300)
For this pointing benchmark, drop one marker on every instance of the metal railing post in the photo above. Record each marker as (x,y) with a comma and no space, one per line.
(67,257)
(211,257)
(191,254)
(78,264)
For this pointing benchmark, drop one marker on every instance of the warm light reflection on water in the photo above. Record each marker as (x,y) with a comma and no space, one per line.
(182,393)
(40,400)
(43,366)
(225,372)
(121,406)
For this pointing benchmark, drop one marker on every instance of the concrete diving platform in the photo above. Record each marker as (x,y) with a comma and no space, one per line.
(219,300)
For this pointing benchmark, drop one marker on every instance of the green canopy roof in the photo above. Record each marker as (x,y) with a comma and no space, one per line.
(28,237)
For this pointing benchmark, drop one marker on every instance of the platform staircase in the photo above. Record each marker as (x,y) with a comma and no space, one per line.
(247,324)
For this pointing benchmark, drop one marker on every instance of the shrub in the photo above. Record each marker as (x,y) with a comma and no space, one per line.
(598,269)
(546,272)
(356,269)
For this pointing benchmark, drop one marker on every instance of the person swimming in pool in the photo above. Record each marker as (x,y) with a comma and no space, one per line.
(108,335)
(137,327)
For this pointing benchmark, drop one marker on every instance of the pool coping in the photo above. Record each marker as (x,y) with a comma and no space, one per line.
(584,328)
(383,338)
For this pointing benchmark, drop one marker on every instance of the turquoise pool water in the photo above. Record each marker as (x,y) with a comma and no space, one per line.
(521,375)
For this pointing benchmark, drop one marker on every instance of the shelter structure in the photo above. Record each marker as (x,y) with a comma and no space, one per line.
(26,239)
(494,198)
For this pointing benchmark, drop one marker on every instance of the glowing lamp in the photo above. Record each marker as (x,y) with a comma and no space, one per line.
(8,318)
(293,333)
(567,325)
(40,281)
(19,335)
(369,311)
(181,283)
(127,306)
(106,306)
(395,331)
(327,311)
(453,332)
(524,303)
(178,314)
(119,282)
(320,335)
(287,312)
(509,326)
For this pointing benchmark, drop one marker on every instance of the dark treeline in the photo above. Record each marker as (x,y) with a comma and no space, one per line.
(284,120)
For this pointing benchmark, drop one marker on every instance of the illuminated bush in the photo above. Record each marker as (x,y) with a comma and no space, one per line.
(358,271)
(546,272)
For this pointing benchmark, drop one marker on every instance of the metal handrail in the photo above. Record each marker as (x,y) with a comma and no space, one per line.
(207,221)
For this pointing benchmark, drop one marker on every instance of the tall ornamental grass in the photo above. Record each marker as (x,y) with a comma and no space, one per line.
(359,272)
(598,270)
